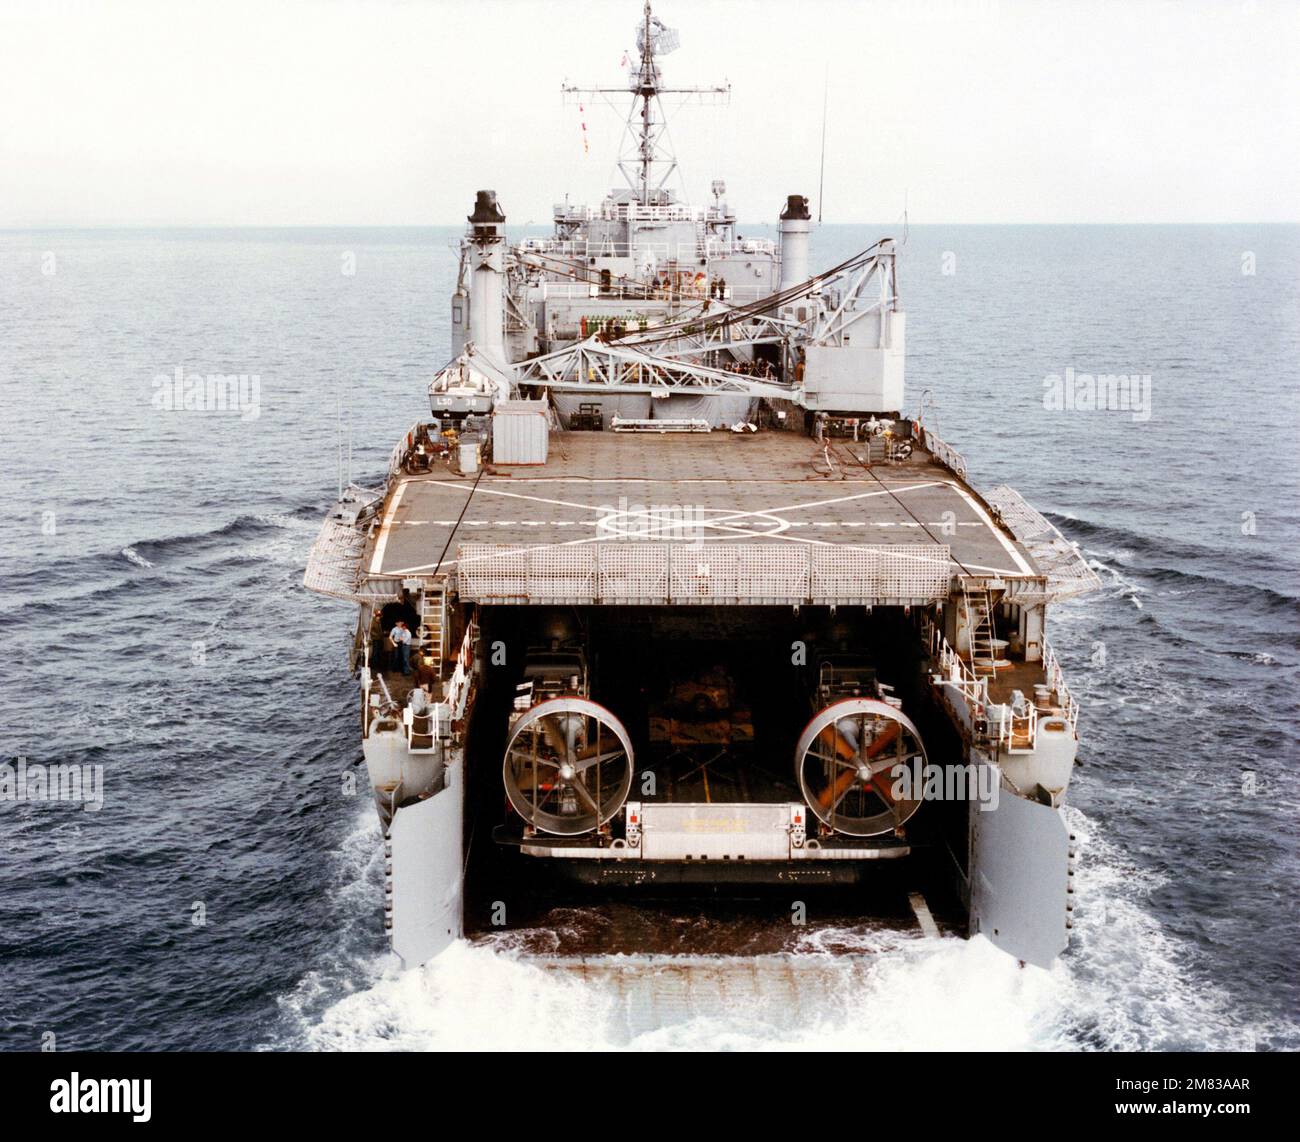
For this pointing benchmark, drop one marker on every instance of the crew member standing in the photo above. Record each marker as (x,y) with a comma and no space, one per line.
(401,637)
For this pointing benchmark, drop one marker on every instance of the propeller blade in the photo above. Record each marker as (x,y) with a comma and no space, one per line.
(520,755)
(838,744)
(887,738)
(833,794)
(585,763)
(581,790)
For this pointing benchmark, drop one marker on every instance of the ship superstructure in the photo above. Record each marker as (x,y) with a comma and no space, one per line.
(689,595)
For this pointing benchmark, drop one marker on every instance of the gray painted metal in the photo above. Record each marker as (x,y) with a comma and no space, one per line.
(427,867)
(1068,573)
(691,301)
(765,487)
(1020,857)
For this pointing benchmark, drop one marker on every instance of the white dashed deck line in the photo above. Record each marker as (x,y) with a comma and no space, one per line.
(711,485)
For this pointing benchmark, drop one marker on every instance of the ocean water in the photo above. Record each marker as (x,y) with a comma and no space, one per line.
(227,895)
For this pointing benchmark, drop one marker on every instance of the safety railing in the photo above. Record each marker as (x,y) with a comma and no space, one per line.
(639,212)
(402,449)
(1010,726)
(1056,680)
(420,724)
(664,252)
(1017,728)
(631,572)
(458,687)
(435,721)
(954,671)
(459,684)
(945,453)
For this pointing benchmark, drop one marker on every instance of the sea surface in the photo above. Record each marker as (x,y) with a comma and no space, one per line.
(227,895)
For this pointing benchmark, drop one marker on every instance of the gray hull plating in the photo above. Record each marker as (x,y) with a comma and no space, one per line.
(1020,857)
(426,873)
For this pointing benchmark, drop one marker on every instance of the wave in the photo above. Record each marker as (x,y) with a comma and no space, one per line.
(269,537)
(290,522)
(241,527)
(1190,642)
(1258,658)
(82,596)
(1124,984)
(1127,543)
(1266,595)
(1079,528)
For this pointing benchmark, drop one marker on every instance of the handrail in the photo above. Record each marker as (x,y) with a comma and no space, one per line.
(973,688)
(430,722)
(664,252)
(1016,724)
(456,696)
(402,449)
(633,568)
(1022,724)
(1056,680)
(944,452)
(609,211)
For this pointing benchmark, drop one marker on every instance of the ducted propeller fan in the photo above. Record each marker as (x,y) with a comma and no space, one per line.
(568,766)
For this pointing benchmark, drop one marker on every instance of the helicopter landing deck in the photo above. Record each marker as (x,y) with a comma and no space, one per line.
(596,488)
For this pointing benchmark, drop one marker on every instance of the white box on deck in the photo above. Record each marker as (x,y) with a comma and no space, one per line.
(520,432)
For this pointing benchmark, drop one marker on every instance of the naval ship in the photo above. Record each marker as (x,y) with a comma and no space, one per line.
(668,592)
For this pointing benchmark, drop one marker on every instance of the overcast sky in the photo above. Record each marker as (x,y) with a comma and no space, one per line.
(325,112)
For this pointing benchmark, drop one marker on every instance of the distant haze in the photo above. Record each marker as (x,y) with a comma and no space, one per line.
(336,112)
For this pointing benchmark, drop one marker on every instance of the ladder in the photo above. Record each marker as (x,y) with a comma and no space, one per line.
(978,602)
(433,621)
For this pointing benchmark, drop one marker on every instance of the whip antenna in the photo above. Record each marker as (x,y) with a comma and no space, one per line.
(821,178)
(338,436)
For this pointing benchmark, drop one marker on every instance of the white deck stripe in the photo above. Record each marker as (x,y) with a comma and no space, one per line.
(384,530)
(716,524)
(1025,569)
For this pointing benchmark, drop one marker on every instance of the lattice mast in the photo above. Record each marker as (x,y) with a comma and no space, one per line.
(646,163)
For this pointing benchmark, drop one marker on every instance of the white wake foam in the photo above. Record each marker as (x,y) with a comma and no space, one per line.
(1125,983)
(288,522)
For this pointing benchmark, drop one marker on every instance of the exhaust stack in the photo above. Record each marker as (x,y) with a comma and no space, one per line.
(796,225)
(487,308)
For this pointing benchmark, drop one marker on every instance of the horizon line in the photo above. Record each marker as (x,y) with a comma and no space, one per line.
(53,226)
